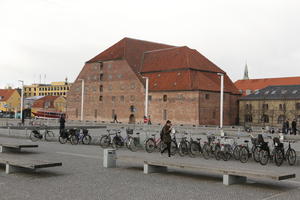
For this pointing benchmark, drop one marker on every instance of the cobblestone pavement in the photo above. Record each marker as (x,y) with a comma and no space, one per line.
(82,176)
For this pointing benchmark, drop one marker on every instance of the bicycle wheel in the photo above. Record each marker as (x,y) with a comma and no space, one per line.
(104,141)
(118,142)
(226,154)
(49,135)
(278,157)
(62,140)
(132,146)
(174,148)
(86,139)
(236,152)
(74,140)
(33,137)
(256,154)
(206,151)
(150,145)
(194,149)
(217,152)
(264,157)
(244,155)
(291,156)
(183,149)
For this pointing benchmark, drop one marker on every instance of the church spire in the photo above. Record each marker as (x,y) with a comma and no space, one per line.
(246,75)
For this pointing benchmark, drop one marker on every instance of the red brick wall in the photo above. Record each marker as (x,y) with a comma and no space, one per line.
(118,80)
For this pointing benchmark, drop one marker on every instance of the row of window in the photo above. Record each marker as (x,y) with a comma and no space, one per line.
(265,119)
(45,94)
(248,107)
(47,88)
(132,86)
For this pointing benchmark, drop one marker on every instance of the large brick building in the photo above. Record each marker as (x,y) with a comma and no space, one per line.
(184,86)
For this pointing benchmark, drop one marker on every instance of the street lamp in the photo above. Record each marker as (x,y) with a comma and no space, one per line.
(146,96)
(221,102)
(82,95)
(22,95)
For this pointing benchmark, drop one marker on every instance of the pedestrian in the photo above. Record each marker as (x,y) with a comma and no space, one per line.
(149,120)
(62,122)
(294,127)
(284,127)
(115,118)
(165,136)
(287,126)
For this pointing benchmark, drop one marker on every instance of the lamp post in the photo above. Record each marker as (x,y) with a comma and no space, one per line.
(82,99)
(146,96)
(221,102)
(22,96)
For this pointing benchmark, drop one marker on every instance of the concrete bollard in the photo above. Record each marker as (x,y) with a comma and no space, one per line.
(109,158)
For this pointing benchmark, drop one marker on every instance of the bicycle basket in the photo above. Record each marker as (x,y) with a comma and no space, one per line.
(85,131)
(129,131)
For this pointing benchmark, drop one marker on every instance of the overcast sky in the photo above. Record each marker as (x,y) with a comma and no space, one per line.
(56,37)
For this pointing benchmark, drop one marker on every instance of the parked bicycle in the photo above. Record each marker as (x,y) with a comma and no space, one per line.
(68,135)
(184,145)
(211,147)
(36,134)
(107,140)
(81,136)
(153,143)
(280,154)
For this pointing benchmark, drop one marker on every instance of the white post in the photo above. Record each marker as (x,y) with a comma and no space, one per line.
(146,97)
(82,99)
(22,96)
(221,102)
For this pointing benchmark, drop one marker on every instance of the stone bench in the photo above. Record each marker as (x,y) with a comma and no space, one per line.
(230,176)
(15,147)
(18,164)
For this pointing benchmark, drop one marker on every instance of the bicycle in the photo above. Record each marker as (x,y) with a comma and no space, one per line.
(116,142)
(36,135)
(153,143)
(68,135)
(280,154)
(195,147)
(81,136)
(211,147)
(131,142)
(184,145)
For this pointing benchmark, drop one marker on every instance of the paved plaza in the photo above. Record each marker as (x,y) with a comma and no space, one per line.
(82,176)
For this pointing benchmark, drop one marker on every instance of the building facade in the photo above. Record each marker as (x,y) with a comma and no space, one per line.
(9,100)
(249,86)
(184,86)
(271,106)
(53,89)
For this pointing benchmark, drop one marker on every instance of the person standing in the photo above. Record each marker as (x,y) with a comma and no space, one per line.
(62,122)
(116,118)
(165,136)
(294,127)
(149,120)
(287,126)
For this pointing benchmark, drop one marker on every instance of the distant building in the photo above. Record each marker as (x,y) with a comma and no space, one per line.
(271,106)
(9,100)
(249,86)
(53,89)
(184,86)
(49,104)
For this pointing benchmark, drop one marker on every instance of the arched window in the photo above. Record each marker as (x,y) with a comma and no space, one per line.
(165,98)
(265,119)
(281,119)
(248,118)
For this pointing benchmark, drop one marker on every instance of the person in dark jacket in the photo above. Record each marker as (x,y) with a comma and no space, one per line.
(62,122)
(287,125)
(294,127)
(165,136)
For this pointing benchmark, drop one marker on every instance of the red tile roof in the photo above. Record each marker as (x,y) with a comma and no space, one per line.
(177,58)
(40,103)
(162,63)
(257,84)
(130,49)
(5,94)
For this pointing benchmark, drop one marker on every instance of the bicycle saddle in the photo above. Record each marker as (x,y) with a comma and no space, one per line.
(137,133)
(153,135)
(246,141)
(198,139)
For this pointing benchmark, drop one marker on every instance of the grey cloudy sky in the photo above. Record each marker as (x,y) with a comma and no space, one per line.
(56,37)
